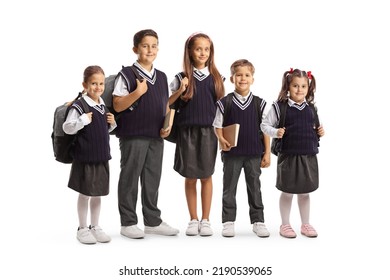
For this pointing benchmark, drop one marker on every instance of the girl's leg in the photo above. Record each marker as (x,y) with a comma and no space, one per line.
(304,207)
(96,230)
(285,202)
(304,210)
(84,234)
(95,206)
(191,194)
(82,210)
(206,194)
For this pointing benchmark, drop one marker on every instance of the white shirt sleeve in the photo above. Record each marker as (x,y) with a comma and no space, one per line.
(74,122)
(120,88)
(270,123)
(218,120)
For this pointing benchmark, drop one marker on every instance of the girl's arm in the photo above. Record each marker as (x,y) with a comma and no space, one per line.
(177,89)
(74,122)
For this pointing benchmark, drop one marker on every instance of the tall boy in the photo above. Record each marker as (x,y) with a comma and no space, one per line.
(143,105)
(251,153)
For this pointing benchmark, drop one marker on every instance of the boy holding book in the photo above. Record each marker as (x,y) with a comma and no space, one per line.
(251,153)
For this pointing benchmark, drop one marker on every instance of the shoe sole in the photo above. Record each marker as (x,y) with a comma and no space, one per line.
(132,236)
(87,243)
(289,237)
(310,236)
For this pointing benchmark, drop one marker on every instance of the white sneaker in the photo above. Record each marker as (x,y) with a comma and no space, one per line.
(260,229)
(99,234)
(132,232)
(162,229)
(228,229)
(85,236)
(193,228)
(204,228)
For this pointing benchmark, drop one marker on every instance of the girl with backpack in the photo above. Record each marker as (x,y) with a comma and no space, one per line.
(89,175)
(297,167)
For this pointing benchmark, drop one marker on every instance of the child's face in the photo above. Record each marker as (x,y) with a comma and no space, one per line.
(95,86)
(242,80)
(298,89)
(200,52)
(147,50)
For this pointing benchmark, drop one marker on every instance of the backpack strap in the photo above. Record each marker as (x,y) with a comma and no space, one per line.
(316,119)
(228,106)
(136,73)
(259,107)
(138,77)
(281,113)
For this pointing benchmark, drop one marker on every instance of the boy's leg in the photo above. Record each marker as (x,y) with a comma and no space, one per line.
(252,178)
(133,153)
(231,173)
(150,182)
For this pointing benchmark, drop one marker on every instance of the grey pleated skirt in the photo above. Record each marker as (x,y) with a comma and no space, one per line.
(196,152)
(297,174)
(91,179)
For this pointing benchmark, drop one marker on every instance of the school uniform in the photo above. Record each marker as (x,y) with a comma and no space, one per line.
(89,173)
(196,145)
(141,145)
(297,167)
(246,155)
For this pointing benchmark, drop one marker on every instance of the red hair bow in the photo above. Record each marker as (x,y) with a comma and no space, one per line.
(291,70)
(309,75)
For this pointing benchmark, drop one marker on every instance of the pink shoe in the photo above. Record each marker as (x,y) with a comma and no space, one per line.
(308,230)
(287,231)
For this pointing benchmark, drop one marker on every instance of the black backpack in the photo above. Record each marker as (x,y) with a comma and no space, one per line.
(276,143)
(63,143)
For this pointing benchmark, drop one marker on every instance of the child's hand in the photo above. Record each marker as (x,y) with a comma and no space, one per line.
(165,132)
(281,132)
(266,160)
(224,144)
(320,131)
(89,115)
(183,85)
(142,86)
(110,118)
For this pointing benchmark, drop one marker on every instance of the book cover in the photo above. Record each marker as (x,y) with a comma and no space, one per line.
(230,133)
(168,121)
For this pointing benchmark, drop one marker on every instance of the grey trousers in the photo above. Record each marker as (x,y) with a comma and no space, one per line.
(231,173)
(141,160)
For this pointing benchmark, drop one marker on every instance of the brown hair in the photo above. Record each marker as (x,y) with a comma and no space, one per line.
(143,33)
(91,70)
(287,78)
(241,63)
(189,68)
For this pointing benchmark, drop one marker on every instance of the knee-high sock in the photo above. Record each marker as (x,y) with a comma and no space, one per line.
(304,207)
(285,202)
(95,206)
(82,209)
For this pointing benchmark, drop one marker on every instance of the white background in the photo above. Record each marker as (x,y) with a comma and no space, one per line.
(46,45)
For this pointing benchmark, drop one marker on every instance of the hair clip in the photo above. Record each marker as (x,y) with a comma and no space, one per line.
(309,75)
(291,70)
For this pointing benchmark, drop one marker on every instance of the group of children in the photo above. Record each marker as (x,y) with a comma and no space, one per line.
(198,93)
